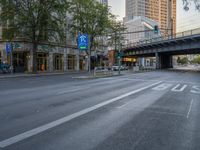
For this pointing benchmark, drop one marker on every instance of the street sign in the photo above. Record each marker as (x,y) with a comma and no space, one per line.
(83,41)
(8,47)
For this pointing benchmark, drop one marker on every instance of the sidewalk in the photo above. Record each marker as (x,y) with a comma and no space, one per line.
(115,73)
(16,75)
(77,74)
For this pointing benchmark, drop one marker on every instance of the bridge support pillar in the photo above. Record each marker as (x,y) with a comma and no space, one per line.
(158,61)
(163,61)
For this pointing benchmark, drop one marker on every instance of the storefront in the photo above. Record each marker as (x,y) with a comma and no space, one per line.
(58,62)
(42,61)
(48,58)
(129,61)
(20,61)
(71,62)
(82,63)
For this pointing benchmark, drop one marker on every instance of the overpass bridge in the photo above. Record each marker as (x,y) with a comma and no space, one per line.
(163,48)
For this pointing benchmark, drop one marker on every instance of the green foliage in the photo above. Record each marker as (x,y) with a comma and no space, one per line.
(90,17)
(182,61)
(116,29)
(37,20)
(196,60)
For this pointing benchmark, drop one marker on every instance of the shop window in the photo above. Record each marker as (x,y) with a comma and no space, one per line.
(71,62)
(81,63)
(58,62)
(20,61)
(42,61)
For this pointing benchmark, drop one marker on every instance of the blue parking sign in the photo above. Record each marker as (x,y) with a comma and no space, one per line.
(8,47)
(83,41)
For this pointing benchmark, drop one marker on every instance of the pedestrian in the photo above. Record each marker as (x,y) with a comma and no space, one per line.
(42,67)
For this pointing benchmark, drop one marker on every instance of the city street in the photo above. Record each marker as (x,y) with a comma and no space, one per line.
(158,110)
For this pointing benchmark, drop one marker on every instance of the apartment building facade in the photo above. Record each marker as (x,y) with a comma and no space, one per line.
(50,56)
(161,11)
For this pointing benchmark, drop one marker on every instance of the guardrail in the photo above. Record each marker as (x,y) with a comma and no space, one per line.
(159,39)
(102,72)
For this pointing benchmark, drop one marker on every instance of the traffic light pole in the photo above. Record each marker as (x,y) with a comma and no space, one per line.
(89,56)
(119,60)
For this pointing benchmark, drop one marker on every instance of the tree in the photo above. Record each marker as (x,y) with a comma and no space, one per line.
(182,61)
(90,17)
(36,20)
(117,30)
(196,60)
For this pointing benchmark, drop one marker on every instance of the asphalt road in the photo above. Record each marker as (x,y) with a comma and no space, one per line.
(148,111)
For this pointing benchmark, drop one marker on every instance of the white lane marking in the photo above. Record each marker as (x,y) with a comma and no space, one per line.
(195,90)
(178,90)
(167,81)
(122,105)
(162,87)
(188,114)
(69,91)
(58,122)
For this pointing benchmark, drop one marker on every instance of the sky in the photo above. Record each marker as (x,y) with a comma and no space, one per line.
(117,8)
(185,20)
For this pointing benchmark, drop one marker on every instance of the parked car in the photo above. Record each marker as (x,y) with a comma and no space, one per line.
(116,68)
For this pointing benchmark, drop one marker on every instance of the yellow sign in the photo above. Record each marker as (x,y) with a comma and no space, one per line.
(126,59)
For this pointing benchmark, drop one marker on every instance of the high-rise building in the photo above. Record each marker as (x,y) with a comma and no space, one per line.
(162,11)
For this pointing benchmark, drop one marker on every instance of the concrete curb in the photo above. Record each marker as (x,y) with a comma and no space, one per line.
(115,75)
(63,73)
(95,77)
(37,75)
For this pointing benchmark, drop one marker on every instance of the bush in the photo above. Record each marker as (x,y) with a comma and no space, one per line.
(182,61)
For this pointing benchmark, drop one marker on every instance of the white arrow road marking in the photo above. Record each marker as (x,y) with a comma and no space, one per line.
(58,122)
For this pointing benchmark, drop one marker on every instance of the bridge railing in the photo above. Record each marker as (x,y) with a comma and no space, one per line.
(162,38)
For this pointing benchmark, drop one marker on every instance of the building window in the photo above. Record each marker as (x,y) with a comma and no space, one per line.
(58,62)
(20,61)
(71,62)
(42,61)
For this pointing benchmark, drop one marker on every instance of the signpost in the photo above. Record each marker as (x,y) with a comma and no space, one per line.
(83,44)
(83,41)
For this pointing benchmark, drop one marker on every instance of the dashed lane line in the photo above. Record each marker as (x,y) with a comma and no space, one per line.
(190,108)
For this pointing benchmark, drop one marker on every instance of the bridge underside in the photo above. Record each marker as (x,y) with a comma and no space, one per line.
(164,51)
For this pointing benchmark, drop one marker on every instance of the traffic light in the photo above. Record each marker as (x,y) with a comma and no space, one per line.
(156,29)
(118,55)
